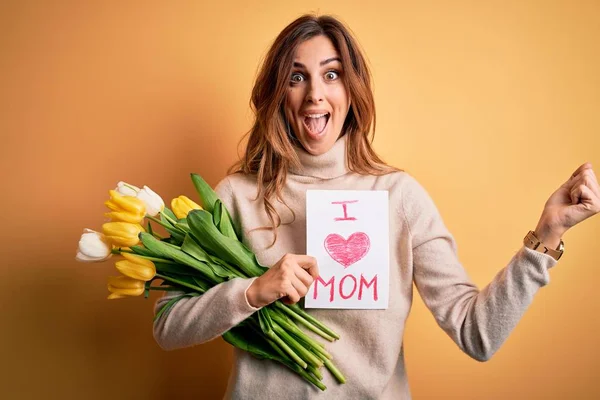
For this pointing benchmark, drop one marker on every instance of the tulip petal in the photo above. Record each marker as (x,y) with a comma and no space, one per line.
(128,203)
(125,291)
(125,282)
(93,247)
(116,296)
(123,216)
(154,203)
(120,241)
(83,258)
(127,189)
(136,267)
(190,203)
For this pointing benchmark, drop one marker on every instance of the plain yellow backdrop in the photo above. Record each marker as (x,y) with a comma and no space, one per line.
(491,105)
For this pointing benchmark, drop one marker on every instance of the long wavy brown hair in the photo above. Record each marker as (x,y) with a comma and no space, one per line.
(269,152)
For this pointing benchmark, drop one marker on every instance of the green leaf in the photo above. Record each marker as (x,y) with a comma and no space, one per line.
(217,211)
(167,307)
(202,283)
(191,247)
(142,251)
(250,341)
(215,243)
(169,214)
(225,225)
(174,269)
(206,193)
(171,252)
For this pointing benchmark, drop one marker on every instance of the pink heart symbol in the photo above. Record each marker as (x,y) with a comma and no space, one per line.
(347,252)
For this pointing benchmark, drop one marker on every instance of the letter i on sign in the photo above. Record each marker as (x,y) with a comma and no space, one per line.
(347,231)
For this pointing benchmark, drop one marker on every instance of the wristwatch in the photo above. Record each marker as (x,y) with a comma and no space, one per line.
(534,243)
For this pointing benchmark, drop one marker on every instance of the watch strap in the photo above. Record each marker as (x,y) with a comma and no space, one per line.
(531,241)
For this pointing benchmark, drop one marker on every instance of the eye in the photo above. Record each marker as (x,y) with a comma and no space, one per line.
(297,78)
(331,75)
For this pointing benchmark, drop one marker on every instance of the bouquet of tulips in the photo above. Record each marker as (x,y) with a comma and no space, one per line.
(202,250)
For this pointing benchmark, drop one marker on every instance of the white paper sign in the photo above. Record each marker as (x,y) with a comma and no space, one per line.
(347,231)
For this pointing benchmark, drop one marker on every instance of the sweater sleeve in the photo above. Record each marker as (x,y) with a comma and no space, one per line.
(478,321)
(195,320)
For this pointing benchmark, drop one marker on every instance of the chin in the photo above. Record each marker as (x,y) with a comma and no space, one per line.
(318,147)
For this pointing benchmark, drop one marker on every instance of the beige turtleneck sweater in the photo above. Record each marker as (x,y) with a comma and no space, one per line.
(370,352)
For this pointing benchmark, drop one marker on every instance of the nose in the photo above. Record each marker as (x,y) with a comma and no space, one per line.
(315,92)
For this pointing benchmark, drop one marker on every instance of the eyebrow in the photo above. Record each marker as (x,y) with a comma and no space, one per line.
(329,60)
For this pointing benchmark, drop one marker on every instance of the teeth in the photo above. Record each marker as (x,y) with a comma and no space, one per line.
(316,115)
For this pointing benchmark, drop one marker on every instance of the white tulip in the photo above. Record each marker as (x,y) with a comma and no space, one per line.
(126,189)
(93,247)
(154,203)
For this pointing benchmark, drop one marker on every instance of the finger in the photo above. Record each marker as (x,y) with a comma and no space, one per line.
(580,169)
(588,179)
(300,287)
(292,295)
(304,276)
(308,263)
(592,182)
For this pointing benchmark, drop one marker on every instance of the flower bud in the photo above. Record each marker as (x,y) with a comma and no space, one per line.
(182,206)
(136,267)
(122,234)
(125,208)
(122,286)
(93,247)
(125,189)
(154,203)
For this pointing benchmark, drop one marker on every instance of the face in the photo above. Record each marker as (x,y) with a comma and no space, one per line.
(317,102)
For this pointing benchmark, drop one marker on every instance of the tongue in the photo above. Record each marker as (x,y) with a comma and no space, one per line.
(316,125)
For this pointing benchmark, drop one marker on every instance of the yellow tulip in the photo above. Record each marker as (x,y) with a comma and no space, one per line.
(125,208)
(122,234)
(136,267)
(182,206)
(123,286)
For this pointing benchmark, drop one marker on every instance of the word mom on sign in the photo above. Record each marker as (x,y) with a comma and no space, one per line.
(347,231)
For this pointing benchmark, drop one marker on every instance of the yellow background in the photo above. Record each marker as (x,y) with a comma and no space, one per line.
(490,105)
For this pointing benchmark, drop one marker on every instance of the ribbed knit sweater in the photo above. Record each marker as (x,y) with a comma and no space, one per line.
(370,352)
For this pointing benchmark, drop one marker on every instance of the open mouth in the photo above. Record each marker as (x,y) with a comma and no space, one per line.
(315,124)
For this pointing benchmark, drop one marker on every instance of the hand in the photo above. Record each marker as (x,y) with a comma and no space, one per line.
(288,279)
(576,200)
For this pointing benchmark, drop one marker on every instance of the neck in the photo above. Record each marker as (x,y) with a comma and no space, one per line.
(329,165)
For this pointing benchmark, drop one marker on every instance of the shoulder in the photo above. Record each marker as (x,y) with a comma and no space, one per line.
(236,184)
(401,183)
(407,193)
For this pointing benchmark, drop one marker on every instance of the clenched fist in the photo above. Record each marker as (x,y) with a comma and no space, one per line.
(289,279)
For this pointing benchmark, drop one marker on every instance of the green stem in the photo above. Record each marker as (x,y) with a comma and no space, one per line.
(305,354)
(165,288)
(318,351)
(273,336)
(336,372)
(294,315)
(177,281)
(290,326)
(158,221)
(162,260)
(313,320)
(285,360)
(118,250)
(315,371)
(156,235)
(172,221)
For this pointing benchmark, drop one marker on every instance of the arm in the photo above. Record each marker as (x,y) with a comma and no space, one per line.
(199,319)
(477,321)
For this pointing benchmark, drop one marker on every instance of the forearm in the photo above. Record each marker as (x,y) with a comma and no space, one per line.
(196,320)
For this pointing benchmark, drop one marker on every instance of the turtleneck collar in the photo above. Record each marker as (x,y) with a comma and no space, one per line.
(329,165)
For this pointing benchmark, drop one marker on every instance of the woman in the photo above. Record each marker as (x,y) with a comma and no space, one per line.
(314,110)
